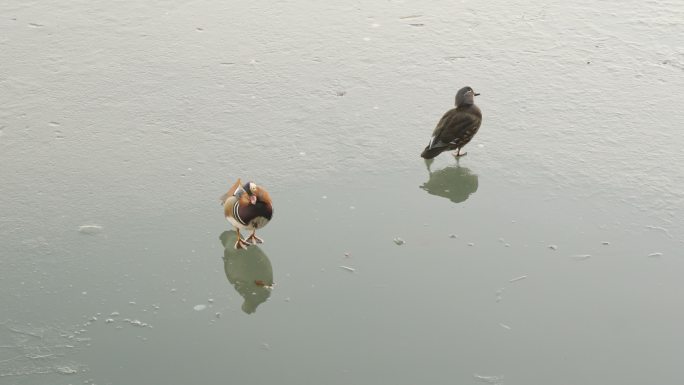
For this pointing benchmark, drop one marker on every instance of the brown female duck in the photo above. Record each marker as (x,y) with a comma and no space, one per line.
(457,127)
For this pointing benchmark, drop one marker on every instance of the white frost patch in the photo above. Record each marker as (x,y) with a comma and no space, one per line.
(66,370)
(28,351)
(518,278)
(90,229)
(661,229)
(581,257)
(200,307)
(496,380)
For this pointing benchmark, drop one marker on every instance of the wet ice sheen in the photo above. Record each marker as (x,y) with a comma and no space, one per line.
(133,120)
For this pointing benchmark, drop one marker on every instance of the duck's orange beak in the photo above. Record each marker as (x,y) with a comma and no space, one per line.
(252,199)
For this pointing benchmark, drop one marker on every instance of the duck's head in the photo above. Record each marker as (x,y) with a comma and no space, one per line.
(256,193)
(251,189)
(465,96)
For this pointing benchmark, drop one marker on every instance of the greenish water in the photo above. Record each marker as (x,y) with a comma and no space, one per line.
(550,254)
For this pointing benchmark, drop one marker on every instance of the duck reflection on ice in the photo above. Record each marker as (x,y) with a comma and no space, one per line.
(453,182)
(248,270)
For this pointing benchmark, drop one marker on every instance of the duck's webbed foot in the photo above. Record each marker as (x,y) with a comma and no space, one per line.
(253,239)
(241,244)
(459,154)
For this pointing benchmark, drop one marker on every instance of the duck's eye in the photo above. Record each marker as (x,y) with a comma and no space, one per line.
(253,187)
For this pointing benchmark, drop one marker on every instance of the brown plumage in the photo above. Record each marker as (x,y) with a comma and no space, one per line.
(247,207)
(457,127)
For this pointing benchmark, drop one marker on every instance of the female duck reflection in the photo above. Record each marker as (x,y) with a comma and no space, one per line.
(248,270)
(453,182)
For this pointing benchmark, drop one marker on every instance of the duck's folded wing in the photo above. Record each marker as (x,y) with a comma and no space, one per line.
(453,126)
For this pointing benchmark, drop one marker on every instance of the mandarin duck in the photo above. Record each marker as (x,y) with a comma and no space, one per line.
(457,127)
(247,207)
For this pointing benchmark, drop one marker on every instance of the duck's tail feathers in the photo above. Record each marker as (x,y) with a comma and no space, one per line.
(230,192)
(430,153)
(223,198)
(434,148)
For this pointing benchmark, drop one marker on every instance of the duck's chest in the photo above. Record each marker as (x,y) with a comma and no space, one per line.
(251,216)
(236,223)
(471,131)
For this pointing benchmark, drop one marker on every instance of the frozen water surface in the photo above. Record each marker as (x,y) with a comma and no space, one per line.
(127,120)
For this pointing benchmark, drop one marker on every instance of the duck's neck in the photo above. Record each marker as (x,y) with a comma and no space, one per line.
(470,108)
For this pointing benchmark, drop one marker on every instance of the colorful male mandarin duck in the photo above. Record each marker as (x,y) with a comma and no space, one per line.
(247,207)
(457,127)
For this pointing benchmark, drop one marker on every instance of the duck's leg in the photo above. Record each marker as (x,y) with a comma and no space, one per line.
(253,239)
(240,243)
(458,153)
